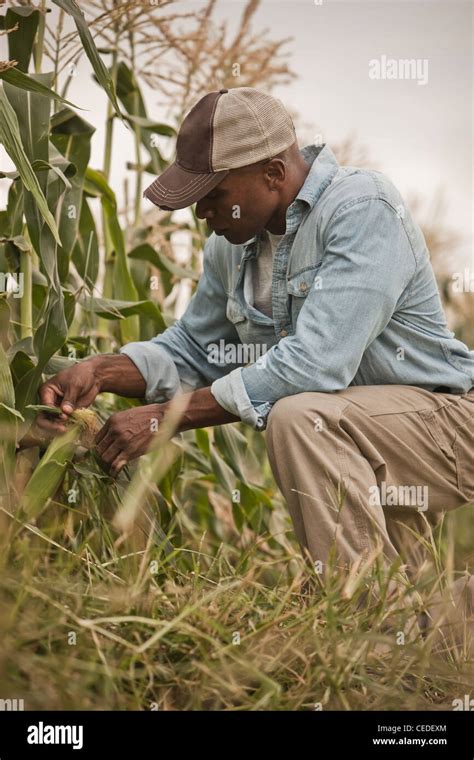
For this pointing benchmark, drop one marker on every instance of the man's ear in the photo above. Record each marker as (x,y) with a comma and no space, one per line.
(275,171)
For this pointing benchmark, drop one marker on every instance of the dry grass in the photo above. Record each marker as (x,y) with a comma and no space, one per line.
(219,619)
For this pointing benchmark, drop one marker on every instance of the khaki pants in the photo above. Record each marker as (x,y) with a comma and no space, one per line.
(361,467)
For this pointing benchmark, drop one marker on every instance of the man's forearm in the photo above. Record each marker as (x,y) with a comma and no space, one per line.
(204,411)
(117,373)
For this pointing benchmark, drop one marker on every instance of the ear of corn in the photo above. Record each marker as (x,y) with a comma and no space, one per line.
(89,425)
(48,474)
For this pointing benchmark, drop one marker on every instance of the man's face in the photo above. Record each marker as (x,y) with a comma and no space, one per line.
(243,203)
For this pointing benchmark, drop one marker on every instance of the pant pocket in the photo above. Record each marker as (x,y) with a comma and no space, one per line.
(463,448)
(441,428)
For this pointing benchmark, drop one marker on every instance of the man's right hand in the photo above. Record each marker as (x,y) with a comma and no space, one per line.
(74,387)
(77,387)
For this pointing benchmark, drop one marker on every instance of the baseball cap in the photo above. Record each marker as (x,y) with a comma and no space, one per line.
(226,129)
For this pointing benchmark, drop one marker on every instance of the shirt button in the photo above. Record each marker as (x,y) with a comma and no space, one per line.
(303,286)
(283,333)
(238,267)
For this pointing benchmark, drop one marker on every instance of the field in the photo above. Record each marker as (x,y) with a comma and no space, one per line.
(178,585)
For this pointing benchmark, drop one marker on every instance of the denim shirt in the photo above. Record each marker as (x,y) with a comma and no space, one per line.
(355,302)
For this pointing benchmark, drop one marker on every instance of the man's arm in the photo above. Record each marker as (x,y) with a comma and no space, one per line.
(116,373)
(179,359)
(78,385)
(127,435)
(204,411)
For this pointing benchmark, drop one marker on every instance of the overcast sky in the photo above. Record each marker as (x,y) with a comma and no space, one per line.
(421,135)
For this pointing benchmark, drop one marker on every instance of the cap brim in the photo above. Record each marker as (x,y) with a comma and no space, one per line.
(178,188)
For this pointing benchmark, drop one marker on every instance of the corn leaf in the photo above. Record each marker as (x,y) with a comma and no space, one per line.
(48,474)
(130,96)
(155,126)
(101,72)
(145,252)
(85,253)
(71,138)
(8,426)
(110,308)
(44,408)
(20,41)
(11,140)
(49,337)
(11,220)
(124,287)
(25,82)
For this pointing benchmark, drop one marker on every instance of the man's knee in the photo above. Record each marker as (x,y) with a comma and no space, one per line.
(288,411)
(278,410)
(311,410)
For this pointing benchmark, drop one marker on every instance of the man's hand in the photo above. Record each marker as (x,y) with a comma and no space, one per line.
(73,387)
(127,435)
(77,386)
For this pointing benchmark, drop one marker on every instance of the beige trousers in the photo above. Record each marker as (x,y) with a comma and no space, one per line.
(368,465)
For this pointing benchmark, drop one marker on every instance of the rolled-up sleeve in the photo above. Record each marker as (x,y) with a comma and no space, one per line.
(366,268)
(158,368)
(181,358)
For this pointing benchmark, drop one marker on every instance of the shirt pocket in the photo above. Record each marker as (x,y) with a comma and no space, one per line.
(298,286)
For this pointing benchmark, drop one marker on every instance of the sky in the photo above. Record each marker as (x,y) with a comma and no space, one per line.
(419,134)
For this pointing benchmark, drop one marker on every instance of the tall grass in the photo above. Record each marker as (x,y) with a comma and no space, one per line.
(227,623)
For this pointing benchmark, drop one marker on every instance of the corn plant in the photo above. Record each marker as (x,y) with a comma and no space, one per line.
(61,228)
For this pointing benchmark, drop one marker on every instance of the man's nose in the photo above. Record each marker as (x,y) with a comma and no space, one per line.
(203,211)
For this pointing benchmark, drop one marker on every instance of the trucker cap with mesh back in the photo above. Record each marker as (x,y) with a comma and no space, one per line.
(223,131)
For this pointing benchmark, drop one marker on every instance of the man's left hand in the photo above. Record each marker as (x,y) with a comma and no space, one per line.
(127,435)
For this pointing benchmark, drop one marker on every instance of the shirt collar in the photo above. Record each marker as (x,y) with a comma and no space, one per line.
(324,166)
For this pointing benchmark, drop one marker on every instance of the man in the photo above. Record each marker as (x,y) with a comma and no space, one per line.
(321,271)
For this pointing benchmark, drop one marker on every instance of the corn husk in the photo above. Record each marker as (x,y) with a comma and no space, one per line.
(89,425)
